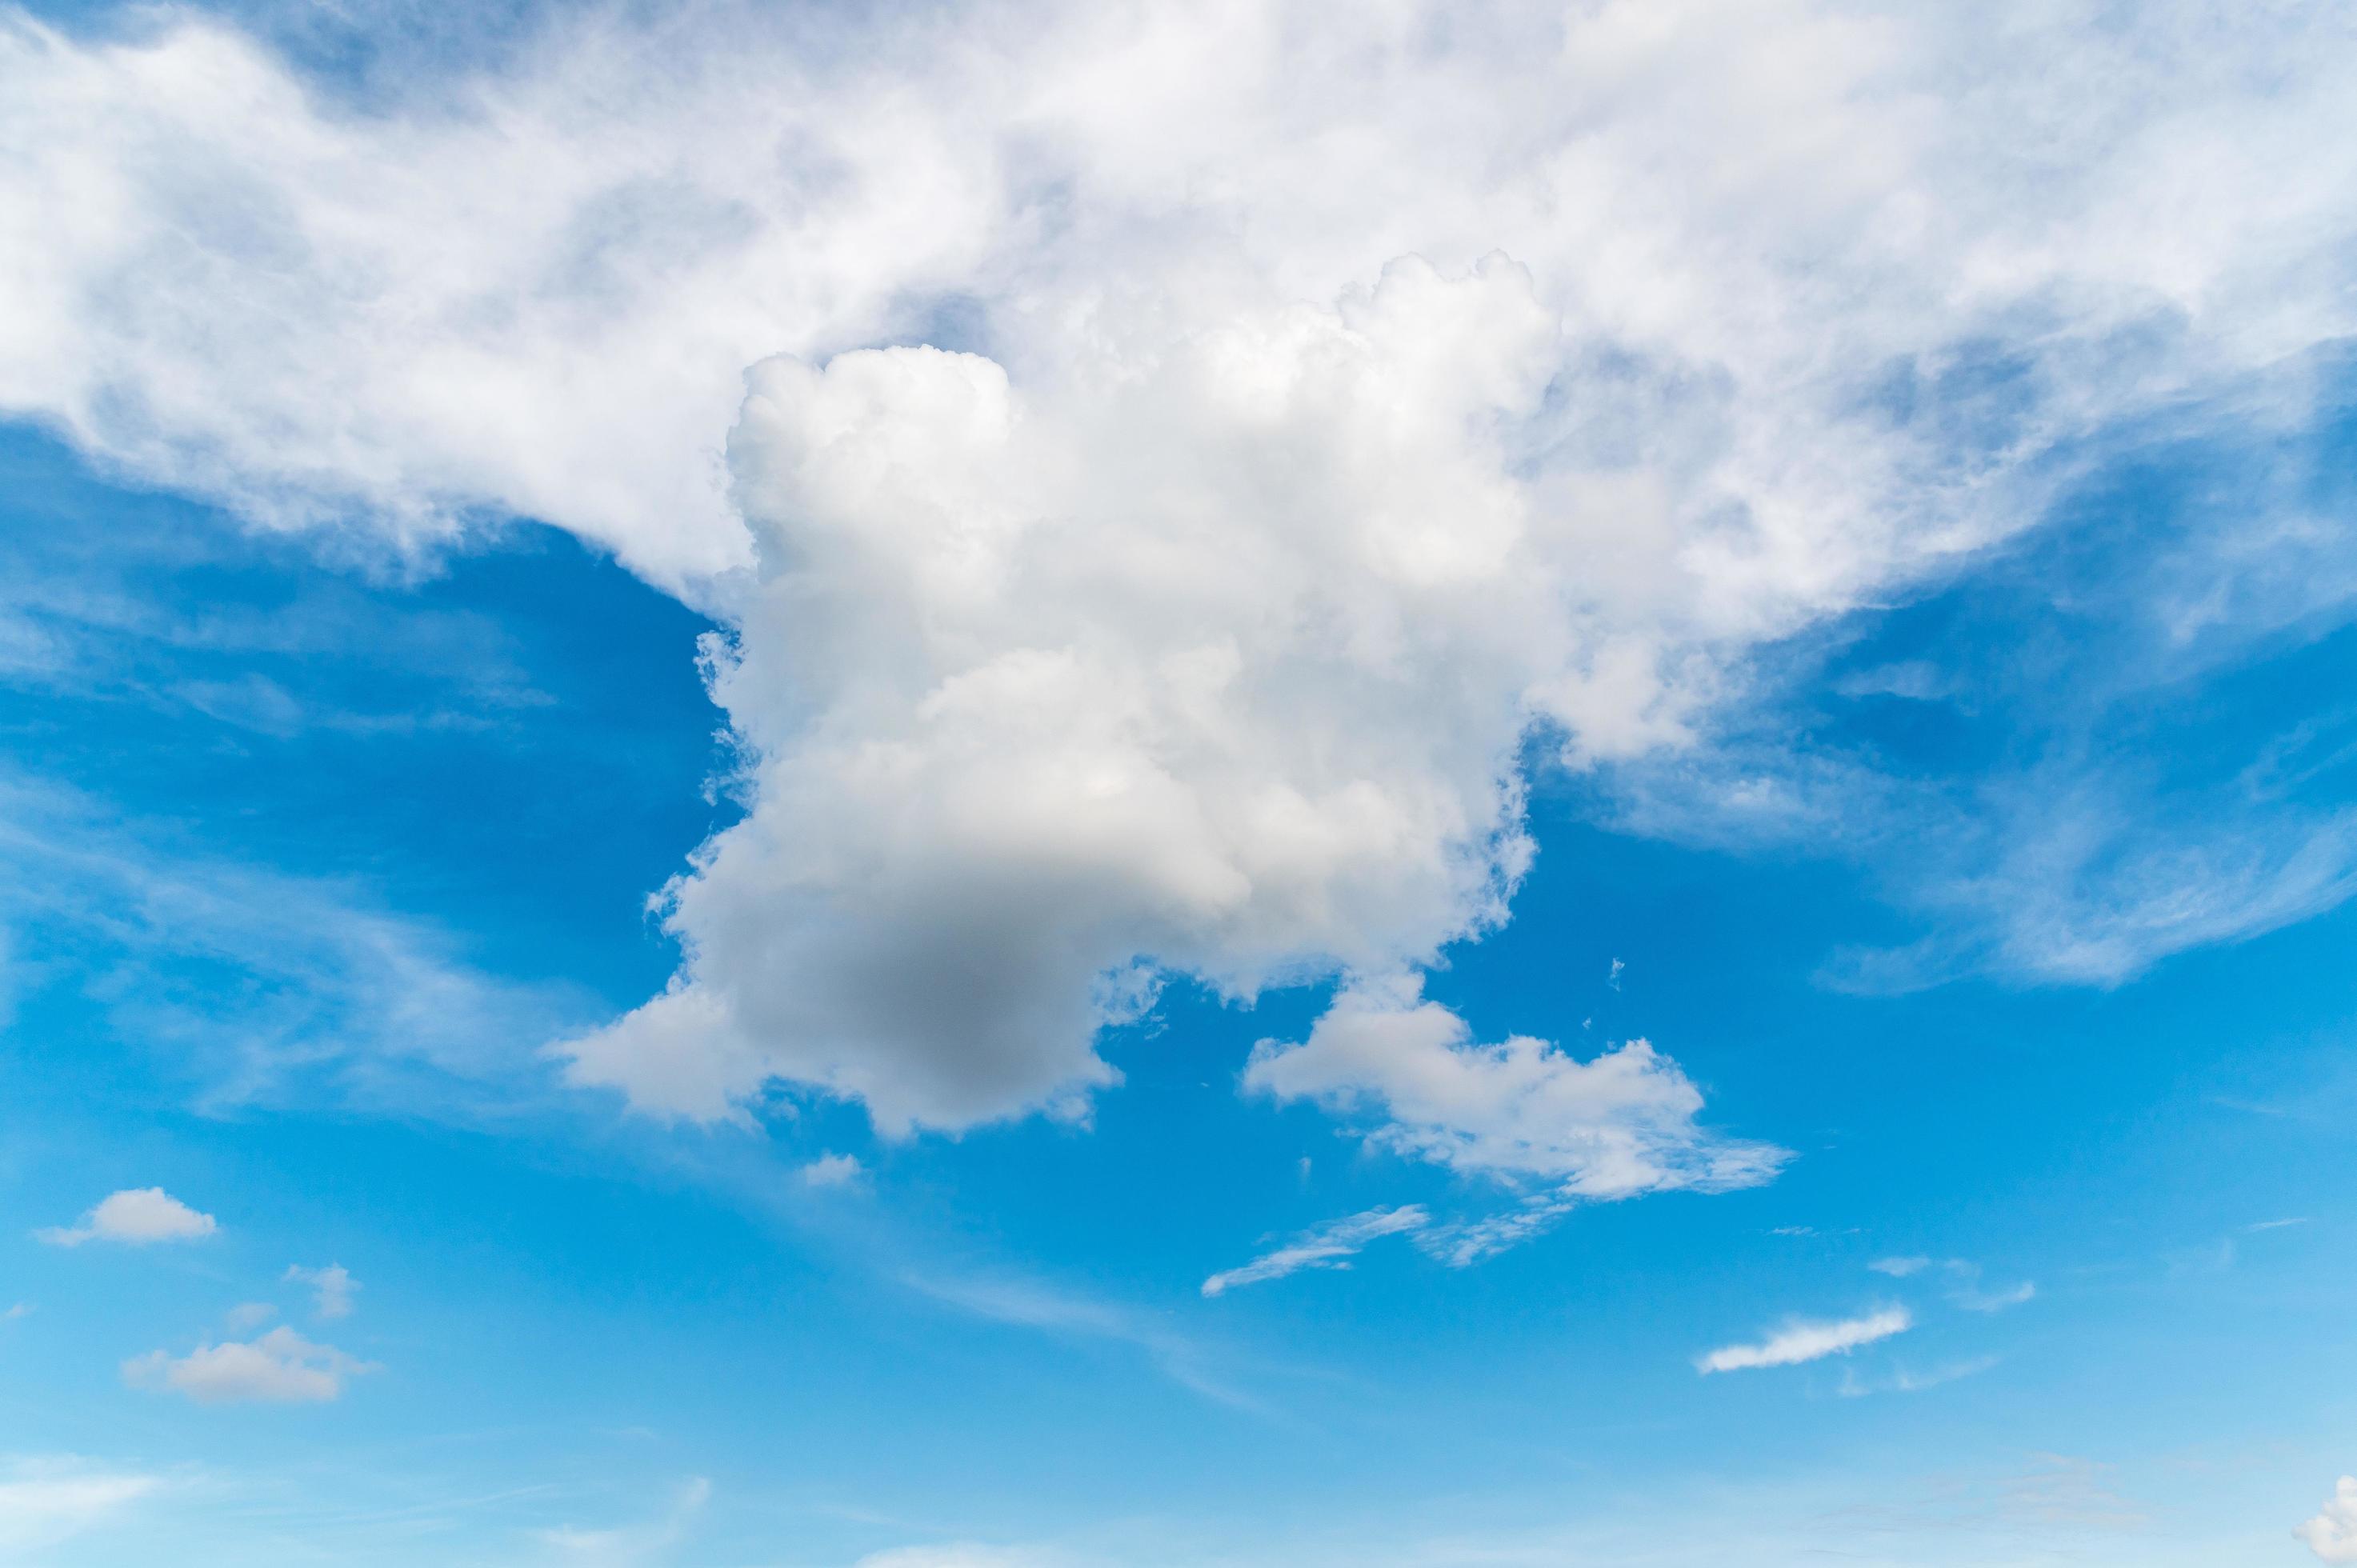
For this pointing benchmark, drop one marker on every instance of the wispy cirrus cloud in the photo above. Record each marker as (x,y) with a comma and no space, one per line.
(1801,1341)
(1328,1246)
(1031,1304)
(255,985)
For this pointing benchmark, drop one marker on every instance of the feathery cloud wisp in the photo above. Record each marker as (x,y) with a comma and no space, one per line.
(1799,1342)
(1327,1246)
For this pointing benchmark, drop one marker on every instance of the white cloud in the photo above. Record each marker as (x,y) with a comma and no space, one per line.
(1899,1267)
(1799,1342)
(332,1288)
(1202,624)
(248,1315)
(832,1170)
(281,1367)
(2332,1533)
(1328,1246)
(1616,1125)
(44,1501)
(136,1217)
(22,1309)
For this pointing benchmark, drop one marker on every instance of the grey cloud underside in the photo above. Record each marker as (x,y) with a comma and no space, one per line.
(1362,395)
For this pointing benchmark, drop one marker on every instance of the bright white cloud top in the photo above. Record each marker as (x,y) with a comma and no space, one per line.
(1189,454)
(1798,1342)
(136,1217)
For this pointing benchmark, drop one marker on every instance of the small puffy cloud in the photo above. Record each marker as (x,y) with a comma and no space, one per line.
(2332,1533)
(1799,1342)
(44,1500)
(281,1367)
(1899,1267)
(136,1217)
(832,1170)
(332,1288)
(1620,1123)
(22,1309)
(247,1314)
(1329,1246)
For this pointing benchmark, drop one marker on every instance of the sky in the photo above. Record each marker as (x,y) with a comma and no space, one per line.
(1134,786)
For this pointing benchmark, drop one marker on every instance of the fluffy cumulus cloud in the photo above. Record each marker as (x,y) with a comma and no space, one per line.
(1620,1124)
(279,1368)
(1192,451)
(136,1217)
(1798,1342)
(1329,1246)
(2332,1533)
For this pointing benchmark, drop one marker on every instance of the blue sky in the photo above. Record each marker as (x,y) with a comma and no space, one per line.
(986,788)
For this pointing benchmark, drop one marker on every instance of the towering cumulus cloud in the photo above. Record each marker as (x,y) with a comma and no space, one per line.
(1190,453)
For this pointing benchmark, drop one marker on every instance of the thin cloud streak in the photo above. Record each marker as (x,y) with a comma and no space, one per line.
(1804,1341)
